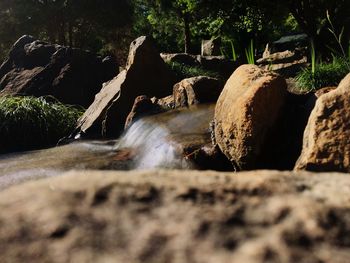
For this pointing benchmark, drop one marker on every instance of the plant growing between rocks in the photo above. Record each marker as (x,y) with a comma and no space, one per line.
(249,52)
(184,71)
(233,54)
(326,74)
(323,75)
(28,122)
(338,38)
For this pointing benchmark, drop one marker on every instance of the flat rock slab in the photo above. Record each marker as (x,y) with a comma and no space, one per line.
(173,216)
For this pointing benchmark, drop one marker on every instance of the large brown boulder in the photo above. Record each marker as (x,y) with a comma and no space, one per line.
(326,139)
(246,113)
(145,74)
(37,68)
(172,216)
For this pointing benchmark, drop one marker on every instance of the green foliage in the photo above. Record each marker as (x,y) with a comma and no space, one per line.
(338,39)
(313,18)
(183,71)
(250,54)
(228,50)
(324,75)
(227,19)
(88,24)
(233,51)
(28,122)
(313,58)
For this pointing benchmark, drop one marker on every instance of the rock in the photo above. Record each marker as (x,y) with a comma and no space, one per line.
(324,90)
(172,216)
(165,140)
(287,63)
(181,58)
(196,90)
(211,47)
(166,103)
(219,64)
(142,106)
(246,113)
(326,139)
(37,68)
(209,157)
(286,56)
(290,42)
(145,74)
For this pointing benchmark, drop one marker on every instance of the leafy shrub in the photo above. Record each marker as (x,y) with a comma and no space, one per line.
(28,122)
(324,75)
(183,71)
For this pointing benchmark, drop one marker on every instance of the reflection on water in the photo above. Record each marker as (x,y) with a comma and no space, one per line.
(18,167)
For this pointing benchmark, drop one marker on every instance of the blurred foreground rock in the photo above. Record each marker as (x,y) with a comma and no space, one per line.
(173,216)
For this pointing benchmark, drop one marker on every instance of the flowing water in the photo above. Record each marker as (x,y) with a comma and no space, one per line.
(158,141)
(161,139)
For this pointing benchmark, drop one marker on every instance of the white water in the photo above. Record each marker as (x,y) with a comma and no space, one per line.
(153,137)
(151,142)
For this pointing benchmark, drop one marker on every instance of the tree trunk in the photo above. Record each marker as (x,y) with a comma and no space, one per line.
(187,33)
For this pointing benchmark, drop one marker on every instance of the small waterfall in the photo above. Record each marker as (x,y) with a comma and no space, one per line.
(153,137)
(152,146)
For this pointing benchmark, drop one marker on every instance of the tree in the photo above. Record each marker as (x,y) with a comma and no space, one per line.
(169,19)
(311,16)
(89,24)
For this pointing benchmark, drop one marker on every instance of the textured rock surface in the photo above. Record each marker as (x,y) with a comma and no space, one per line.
(196,90)
(142,106)
(246,112)
(326,139)
(171,216)
(287,63)
(145,74)
(187,59)
(71,75)
(211,47)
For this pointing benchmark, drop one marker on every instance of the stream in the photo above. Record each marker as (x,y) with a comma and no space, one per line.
(152,142)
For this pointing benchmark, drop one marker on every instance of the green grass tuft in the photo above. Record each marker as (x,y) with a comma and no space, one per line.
(28,122)
(324,75)
(183,71)
(249,53)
